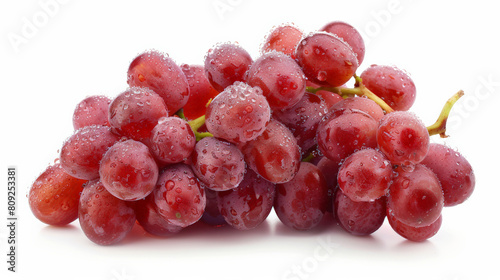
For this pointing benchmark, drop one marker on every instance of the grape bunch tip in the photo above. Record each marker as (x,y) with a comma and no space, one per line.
(229,140)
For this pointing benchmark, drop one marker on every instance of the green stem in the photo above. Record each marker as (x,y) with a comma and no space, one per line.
(439,127)
(180,114)
(315,90)
(369,94)
(201,135)
(360,90)
(196,124)
(308,158)
(344,92)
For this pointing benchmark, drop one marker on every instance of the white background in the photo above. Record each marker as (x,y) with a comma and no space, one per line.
(81,48)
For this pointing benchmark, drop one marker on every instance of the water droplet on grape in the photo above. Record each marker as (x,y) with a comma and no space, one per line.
(169,185)
(405,184)
(321,76)
(351,223)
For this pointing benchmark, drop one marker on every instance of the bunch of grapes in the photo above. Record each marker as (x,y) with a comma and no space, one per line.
(228,141)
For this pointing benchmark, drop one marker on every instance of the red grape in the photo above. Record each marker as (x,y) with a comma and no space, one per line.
(365,175)
(325,59)
(453,171)
(303,118)
(361,103)
(200,91)
(403,138)
(212,215)
(350,35)
(248,205)
(281,79)
(274,155)
(416,234)
(342,132)
(225,64)
(149,219)
(92,110)
(359,217)
(330,170)
(284,38)
(330,98)
(135,112)
(415,198)
(158,72)
(391,84)
(218,164)
(238,114)
(54,196)
(172,140)
(222,142)
(301,202)
(128,170)
(104,219)
(82,152)
(179,196)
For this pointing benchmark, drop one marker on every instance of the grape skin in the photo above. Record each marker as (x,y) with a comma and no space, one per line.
(391,84)
(403,138)
(172,140)
(128,170)
(135,112)
(200,91)
(365,175)
(238,114)
(415,198)
(53,197)
(226,64)
(248,205)
(330,170)
(274,155)
(325,59)
(218,164)
(212,215)
(82,152)
(301,203)
(283,39)
(360,103)
(415,234)
(92,110)
(330,98)
(104,219)
(303,119)
(158,72)
(350,35)
(453,171)
(148,218)
(359,217)
(342,132)
(179,195)
(281,79)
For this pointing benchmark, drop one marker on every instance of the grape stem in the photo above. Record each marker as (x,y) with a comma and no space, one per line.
(180,114)
(196,124)
(359,90)
(439,127)
(309,157)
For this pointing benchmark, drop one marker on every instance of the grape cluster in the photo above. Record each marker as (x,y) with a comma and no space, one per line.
(228,141)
